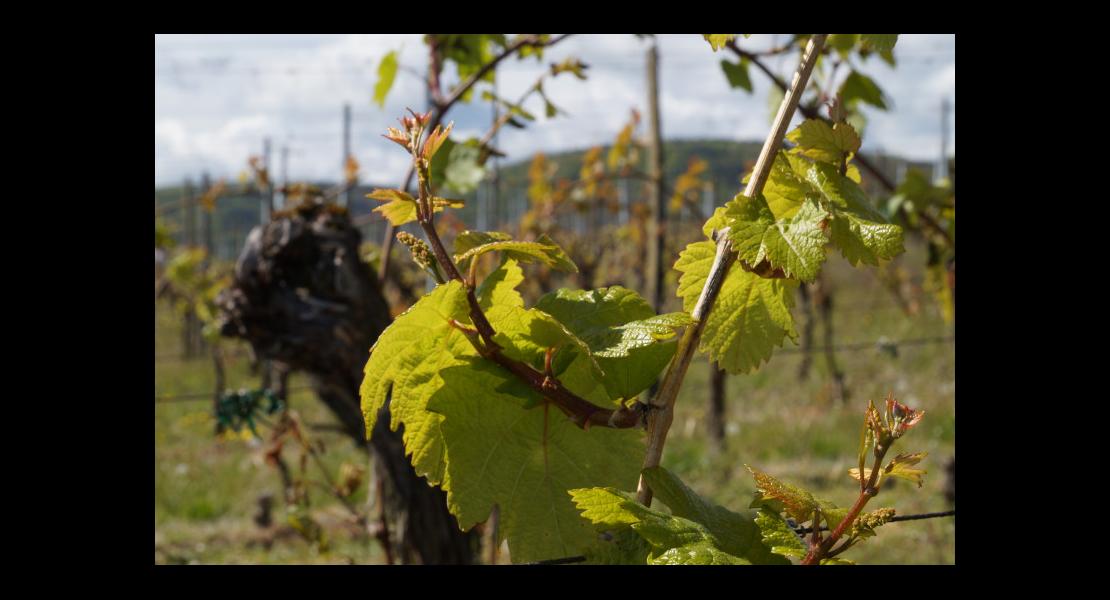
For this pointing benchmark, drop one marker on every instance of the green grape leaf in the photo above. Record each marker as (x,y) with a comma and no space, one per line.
(425,320)
(543,250)
(900,466)
(472,239)
(737,74)
(623,547)
(399,207)
(751,315)
(878,42)
(817,140)
(387,72)
(861,232)
(673,540)
(738,534)
(525,335)
(715,221)
(858,86)
(622,331)
(794,501)
(418,376)
(797,245)
(437,167)
(524,460)
(776,533)
(696,532)
(718,40)
(610,508)
(842,42)
(786,189)
(697,553)
(499,287)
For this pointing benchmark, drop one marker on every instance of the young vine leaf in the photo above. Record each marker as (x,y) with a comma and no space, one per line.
(819,141)
(483,436)
(473,244)
(696,532)
(796,244)
(861,232)
(400,207)
(779,536)
(795,502)
(878,42)
(718,40)
(387,72)
(630,342)
(524,460)
(499,287)
(752,314)
(405,362)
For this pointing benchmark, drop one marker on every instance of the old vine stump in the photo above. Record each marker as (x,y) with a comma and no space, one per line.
(303,297)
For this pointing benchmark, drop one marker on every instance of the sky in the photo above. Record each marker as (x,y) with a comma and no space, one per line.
(217,97)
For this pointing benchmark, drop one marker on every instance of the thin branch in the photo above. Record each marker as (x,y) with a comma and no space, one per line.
(659,421)
(811,112)
(869,491)
(800,531)
(440,109)
(582,412)
(895,519)
(463,88)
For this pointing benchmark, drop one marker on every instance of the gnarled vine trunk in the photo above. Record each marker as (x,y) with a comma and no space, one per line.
(302,297)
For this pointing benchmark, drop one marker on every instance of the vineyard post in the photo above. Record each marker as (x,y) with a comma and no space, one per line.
(266,208)
(266,205)
(188,335)
(345,197)
(206,220)
(656,228)
(716,418)
(206,232)
(284,172)
(942,166)
(824,303)
(662,413)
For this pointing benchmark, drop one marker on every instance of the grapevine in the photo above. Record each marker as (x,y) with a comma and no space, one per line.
(538,411)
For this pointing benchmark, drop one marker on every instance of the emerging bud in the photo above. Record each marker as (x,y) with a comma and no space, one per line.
(875,518)
(435,139)
(421,254)
(421,118)
(400,137)
(900,416)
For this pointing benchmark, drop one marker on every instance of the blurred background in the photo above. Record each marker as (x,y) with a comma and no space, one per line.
(262,132)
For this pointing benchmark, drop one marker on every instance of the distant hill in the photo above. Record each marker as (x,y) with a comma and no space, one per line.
(236,214)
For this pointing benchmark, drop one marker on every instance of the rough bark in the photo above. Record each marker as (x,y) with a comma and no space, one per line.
(716,421)
(303,297)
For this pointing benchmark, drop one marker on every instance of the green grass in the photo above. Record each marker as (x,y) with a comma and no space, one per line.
(206,489)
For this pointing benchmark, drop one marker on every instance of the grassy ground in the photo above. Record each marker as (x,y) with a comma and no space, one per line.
(207,489)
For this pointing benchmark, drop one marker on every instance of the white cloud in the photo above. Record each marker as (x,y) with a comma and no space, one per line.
(218,96)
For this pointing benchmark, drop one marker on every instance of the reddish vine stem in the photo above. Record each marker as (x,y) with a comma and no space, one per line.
(659,421)
(583,412)
(869,491)
(440,108)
